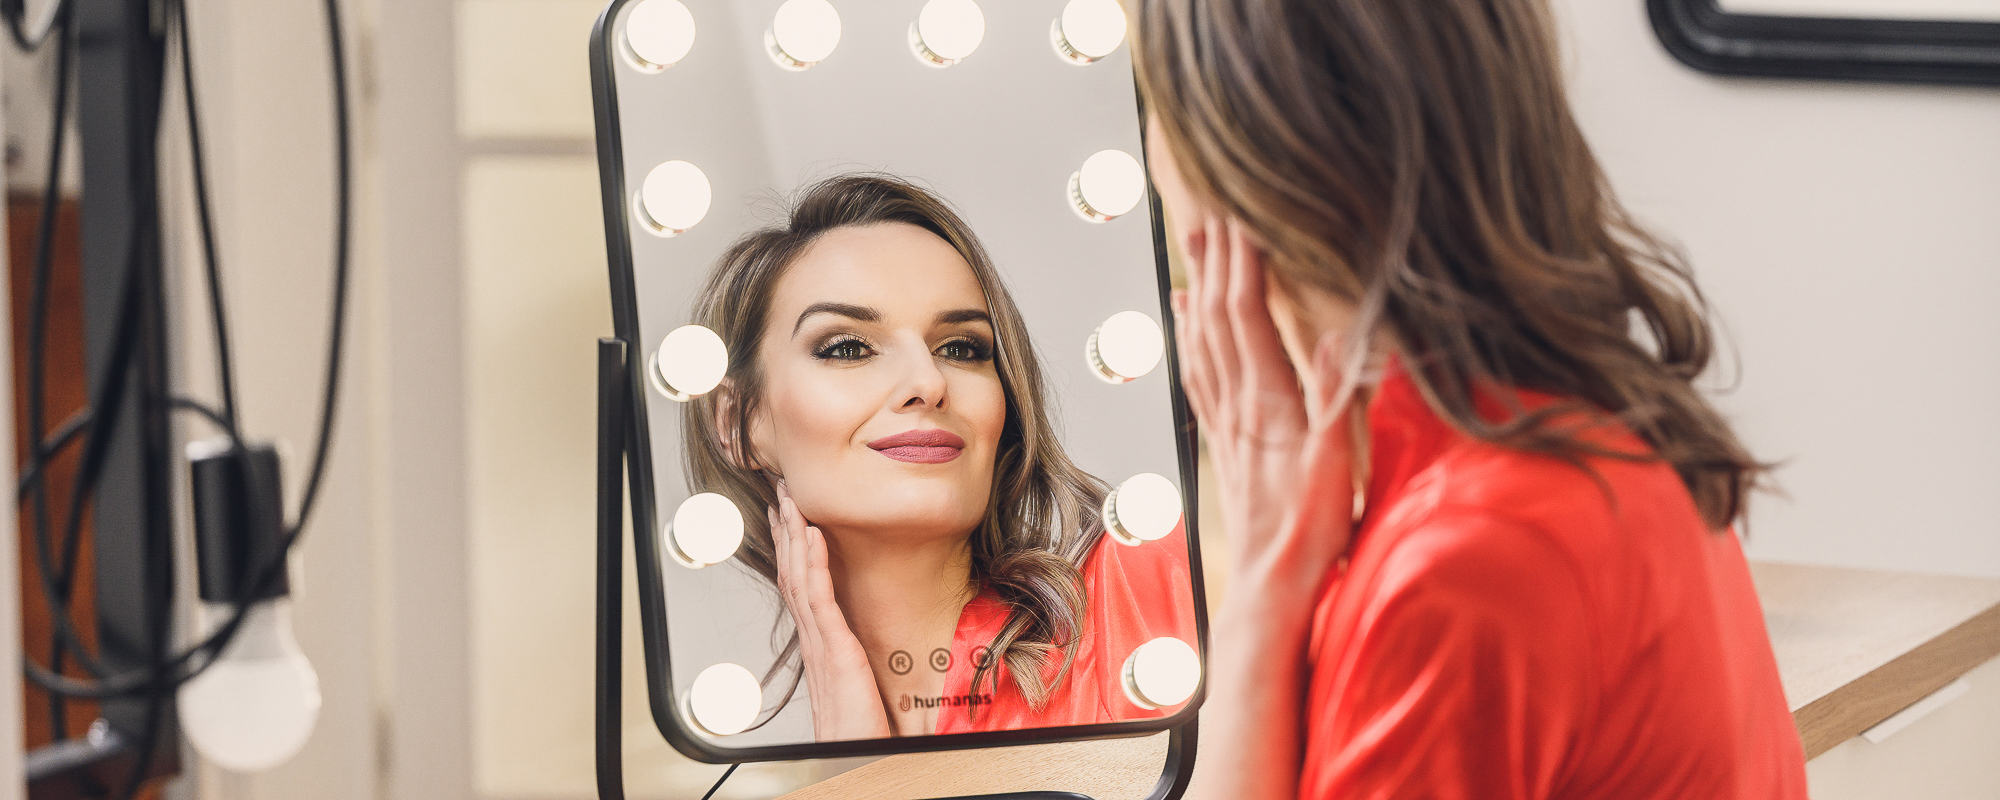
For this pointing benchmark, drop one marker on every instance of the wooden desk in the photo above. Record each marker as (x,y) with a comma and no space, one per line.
(1853,647)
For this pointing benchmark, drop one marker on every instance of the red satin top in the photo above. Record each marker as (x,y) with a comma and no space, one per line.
(1506,629)
(1135,594)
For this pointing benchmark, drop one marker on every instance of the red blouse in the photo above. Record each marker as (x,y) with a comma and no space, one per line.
(1505,628)
(1135,593)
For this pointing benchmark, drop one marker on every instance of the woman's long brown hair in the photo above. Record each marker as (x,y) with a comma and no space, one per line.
(1419,159)
(1042,516)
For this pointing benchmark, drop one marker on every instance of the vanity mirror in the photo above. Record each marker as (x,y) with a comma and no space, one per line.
(1907,41)
(909,467)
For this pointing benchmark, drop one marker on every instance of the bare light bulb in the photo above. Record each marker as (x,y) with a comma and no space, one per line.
(706,529)
(255,707)
(1110,184)
(690,362)
(1145,508)
(1088,30)
(725,699)
(1125,347)
(674,198)
(1163,672)
(802,33)
(658,34)
(947,31)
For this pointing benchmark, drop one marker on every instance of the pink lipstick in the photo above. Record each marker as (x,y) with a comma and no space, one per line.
(927,446)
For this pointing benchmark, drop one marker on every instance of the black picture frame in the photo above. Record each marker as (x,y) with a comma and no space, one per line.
(615,197)
(1700,34)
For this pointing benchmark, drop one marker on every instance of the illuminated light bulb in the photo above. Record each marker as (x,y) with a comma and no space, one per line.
(658,34)
(255,707)
(706,530)
(674,198)
(690,362)
(1145,508)
(1088,30)
(1109,186)
(803,33)
(1163,672)
(1125,347)
(725,699)
(947,31)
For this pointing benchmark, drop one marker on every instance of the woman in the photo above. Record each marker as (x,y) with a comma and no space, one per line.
(1480,516)
(940,559)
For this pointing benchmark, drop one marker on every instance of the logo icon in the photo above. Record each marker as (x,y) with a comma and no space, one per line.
(904,704)
(900,663)
(941,659)
(981,656)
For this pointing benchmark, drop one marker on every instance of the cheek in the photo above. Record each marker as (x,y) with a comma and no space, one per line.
(809,418)
(983,404)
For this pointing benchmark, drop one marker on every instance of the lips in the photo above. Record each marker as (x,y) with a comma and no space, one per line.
(929,446)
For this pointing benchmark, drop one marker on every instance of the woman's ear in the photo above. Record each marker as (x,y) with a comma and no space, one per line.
(741,454)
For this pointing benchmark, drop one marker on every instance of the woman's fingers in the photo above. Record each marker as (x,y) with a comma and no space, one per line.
(1259,351)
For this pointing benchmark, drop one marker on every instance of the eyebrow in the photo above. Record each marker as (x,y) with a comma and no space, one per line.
(865,314)
(858,313)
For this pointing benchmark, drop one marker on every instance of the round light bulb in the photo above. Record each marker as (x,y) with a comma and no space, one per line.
(725,699)
(947,31)
(1163,672)
(658,34)
(1088,30)
(254,708)
(706,529)
(674,198)
(803,33)
(691,361)
(1125,347)
(1109,186)
(1145,508)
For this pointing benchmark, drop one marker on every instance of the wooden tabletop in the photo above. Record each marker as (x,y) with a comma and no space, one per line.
(1853,647)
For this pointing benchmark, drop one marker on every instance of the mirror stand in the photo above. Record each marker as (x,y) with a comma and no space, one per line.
(611,449)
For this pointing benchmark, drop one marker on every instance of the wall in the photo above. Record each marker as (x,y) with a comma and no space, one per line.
(1845,235)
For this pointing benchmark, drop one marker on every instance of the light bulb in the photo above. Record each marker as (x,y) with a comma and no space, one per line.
(1145,508)
(1088,30)
(254,708)
(803,33)
(658,34)
(725,699)
(947,31)
(674,198)
(1125,347)
(690,362)
(706,529)
(1109,186)
(1163,672)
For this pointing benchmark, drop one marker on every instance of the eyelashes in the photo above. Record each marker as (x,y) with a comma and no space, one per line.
(851,348)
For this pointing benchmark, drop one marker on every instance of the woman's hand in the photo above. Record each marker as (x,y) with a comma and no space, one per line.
(1285,466)
(846,704)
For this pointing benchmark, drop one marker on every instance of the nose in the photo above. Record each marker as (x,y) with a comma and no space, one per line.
(922,384)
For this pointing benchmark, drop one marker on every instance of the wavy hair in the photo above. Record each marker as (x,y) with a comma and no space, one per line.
(1420,160)
(1042,515)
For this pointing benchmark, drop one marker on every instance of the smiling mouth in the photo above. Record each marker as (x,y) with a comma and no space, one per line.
(931,446)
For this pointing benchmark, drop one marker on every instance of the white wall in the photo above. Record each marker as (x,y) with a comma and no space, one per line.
(1847,235)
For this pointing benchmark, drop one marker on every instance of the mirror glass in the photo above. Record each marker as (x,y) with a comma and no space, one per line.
(909,423)
(1954,10)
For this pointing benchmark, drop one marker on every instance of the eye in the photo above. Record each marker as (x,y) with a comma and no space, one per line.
(843,349)
(965,350)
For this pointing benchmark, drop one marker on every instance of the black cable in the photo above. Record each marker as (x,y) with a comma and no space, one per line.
(167,678)
(225,368)
(718,781)
(65,433)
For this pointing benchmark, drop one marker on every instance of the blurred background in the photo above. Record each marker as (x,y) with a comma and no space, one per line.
(1846,234)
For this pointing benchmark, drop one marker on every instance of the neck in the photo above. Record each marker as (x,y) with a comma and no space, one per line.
(897,595)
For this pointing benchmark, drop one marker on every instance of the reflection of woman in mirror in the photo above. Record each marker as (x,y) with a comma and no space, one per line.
(937,553)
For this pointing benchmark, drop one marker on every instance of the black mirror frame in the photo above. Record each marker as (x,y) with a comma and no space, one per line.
(1703,36)
(638,455)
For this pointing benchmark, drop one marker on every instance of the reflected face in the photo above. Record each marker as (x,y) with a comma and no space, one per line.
(882,407)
